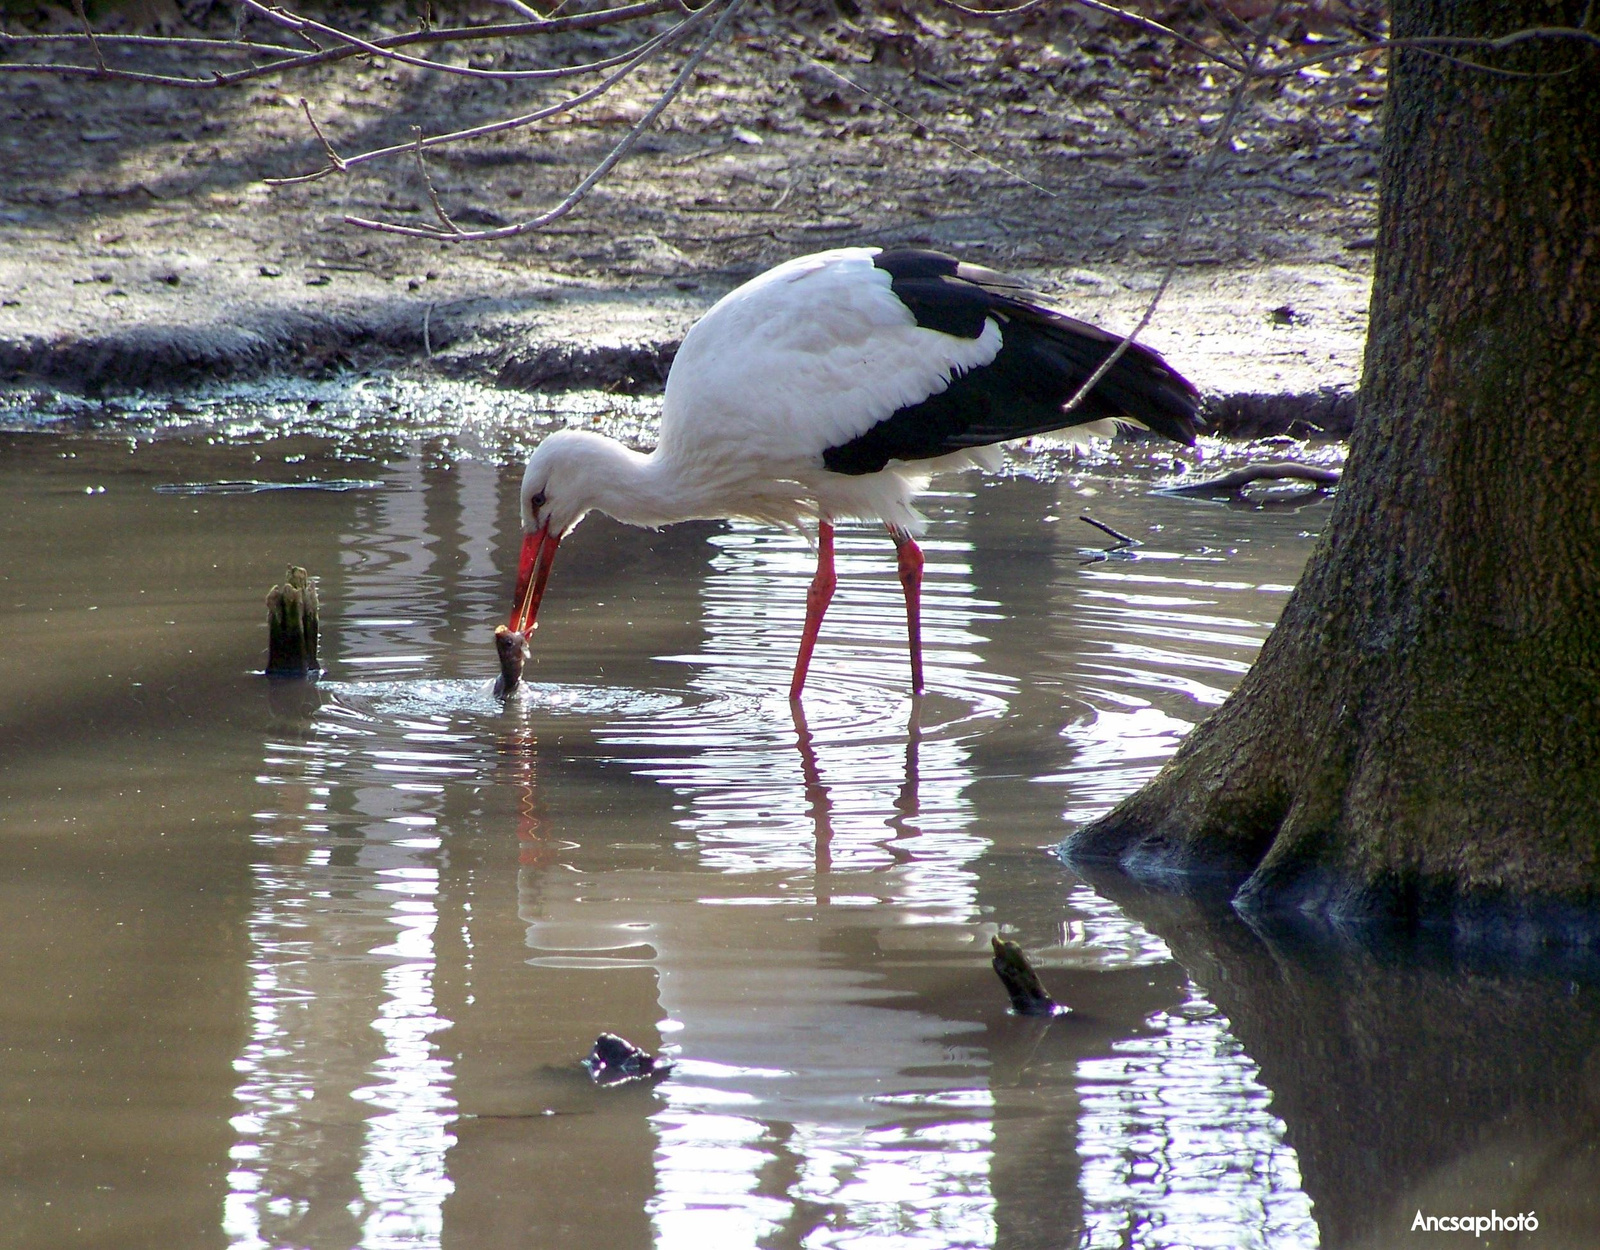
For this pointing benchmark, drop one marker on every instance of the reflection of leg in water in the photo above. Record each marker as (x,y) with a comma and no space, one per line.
(787,1171)
(817,599)
(818,801)
(910,560)
(907,804)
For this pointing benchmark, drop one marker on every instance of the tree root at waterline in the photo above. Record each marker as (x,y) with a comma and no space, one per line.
(1349,776)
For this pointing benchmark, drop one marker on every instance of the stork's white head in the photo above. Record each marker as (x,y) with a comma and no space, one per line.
(561,483)
(570,474)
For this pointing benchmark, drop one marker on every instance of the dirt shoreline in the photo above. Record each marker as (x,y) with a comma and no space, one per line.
(140,249)
(1263,371)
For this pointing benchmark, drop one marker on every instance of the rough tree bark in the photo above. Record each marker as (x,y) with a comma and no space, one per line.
(1420,736)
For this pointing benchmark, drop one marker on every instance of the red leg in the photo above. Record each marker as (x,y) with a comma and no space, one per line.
(817,599)
(911,579)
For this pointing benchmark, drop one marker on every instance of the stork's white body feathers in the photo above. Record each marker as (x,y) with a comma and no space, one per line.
(807,356)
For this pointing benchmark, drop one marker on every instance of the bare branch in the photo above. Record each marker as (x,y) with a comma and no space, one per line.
(300,24)
(427,182)
(517,6)
(291,59)
(1274,471)
(1122,539)
(294,60)
(335,161)
(58,70)
(1219,18)
(11,39)
(88,30)
(1098,6)
(578,193)
(649,50)
(287,59)
(1213,161)
(961,8)
(1437,44)
(543,26)
(1156,28)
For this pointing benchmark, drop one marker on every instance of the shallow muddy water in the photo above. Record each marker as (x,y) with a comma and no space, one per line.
(314,967)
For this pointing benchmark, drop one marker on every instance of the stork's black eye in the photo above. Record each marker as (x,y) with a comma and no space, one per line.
(535,502)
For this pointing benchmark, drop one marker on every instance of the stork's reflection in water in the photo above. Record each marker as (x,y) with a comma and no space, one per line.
(819,804)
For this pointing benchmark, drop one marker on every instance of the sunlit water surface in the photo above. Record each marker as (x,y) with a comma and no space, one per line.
(290,967)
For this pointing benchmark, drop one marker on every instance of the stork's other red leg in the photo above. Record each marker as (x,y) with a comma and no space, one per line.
(817,599)
(911,580)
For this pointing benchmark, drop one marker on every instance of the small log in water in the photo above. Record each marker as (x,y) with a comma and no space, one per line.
(614,1060)
(1022,982)
(292,626)
(512,651)
(1230,484)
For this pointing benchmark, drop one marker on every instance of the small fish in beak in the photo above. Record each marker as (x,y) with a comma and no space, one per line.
(512,650)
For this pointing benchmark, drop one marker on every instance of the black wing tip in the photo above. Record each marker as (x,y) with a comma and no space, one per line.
(1175,408)
(904,263)
(911,263)
(956,297)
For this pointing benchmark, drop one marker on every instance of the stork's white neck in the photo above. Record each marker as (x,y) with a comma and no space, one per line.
(642,489)
(579,471)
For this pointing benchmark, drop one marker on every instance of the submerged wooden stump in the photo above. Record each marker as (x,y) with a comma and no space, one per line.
(292,626)
(614,1060)
(1028,996)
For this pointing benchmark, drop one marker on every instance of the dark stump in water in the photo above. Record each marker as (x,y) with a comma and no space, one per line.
(292,627)
(1022,982)
(615,1059)
(512,650)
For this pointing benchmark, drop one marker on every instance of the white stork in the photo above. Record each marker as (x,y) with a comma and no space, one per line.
(833,386)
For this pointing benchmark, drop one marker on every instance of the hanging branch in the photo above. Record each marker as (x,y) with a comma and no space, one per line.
(427,182)
(970,12)
(1213,163)
(578,193)
(647,53)
(335,161)
(88,31)
(293,22)
(293,59)
(1436,45)
(1166,32)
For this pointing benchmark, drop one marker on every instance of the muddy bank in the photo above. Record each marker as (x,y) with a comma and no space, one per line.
(129,324)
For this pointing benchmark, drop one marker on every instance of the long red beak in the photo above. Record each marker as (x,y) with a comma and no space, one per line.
(533,571)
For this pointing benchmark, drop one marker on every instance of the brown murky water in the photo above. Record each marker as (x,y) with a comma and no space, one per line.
(282,968)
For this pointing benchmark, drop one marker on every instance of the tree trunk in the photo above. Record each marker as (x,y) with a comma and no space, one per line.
(1420,736)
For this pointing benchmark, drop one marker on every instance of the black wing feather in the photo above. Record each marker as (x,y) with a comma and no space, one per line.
(1045,357)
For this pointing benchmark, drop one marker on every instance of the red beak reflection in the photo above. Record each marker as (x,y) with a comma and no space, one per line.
(533,571)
